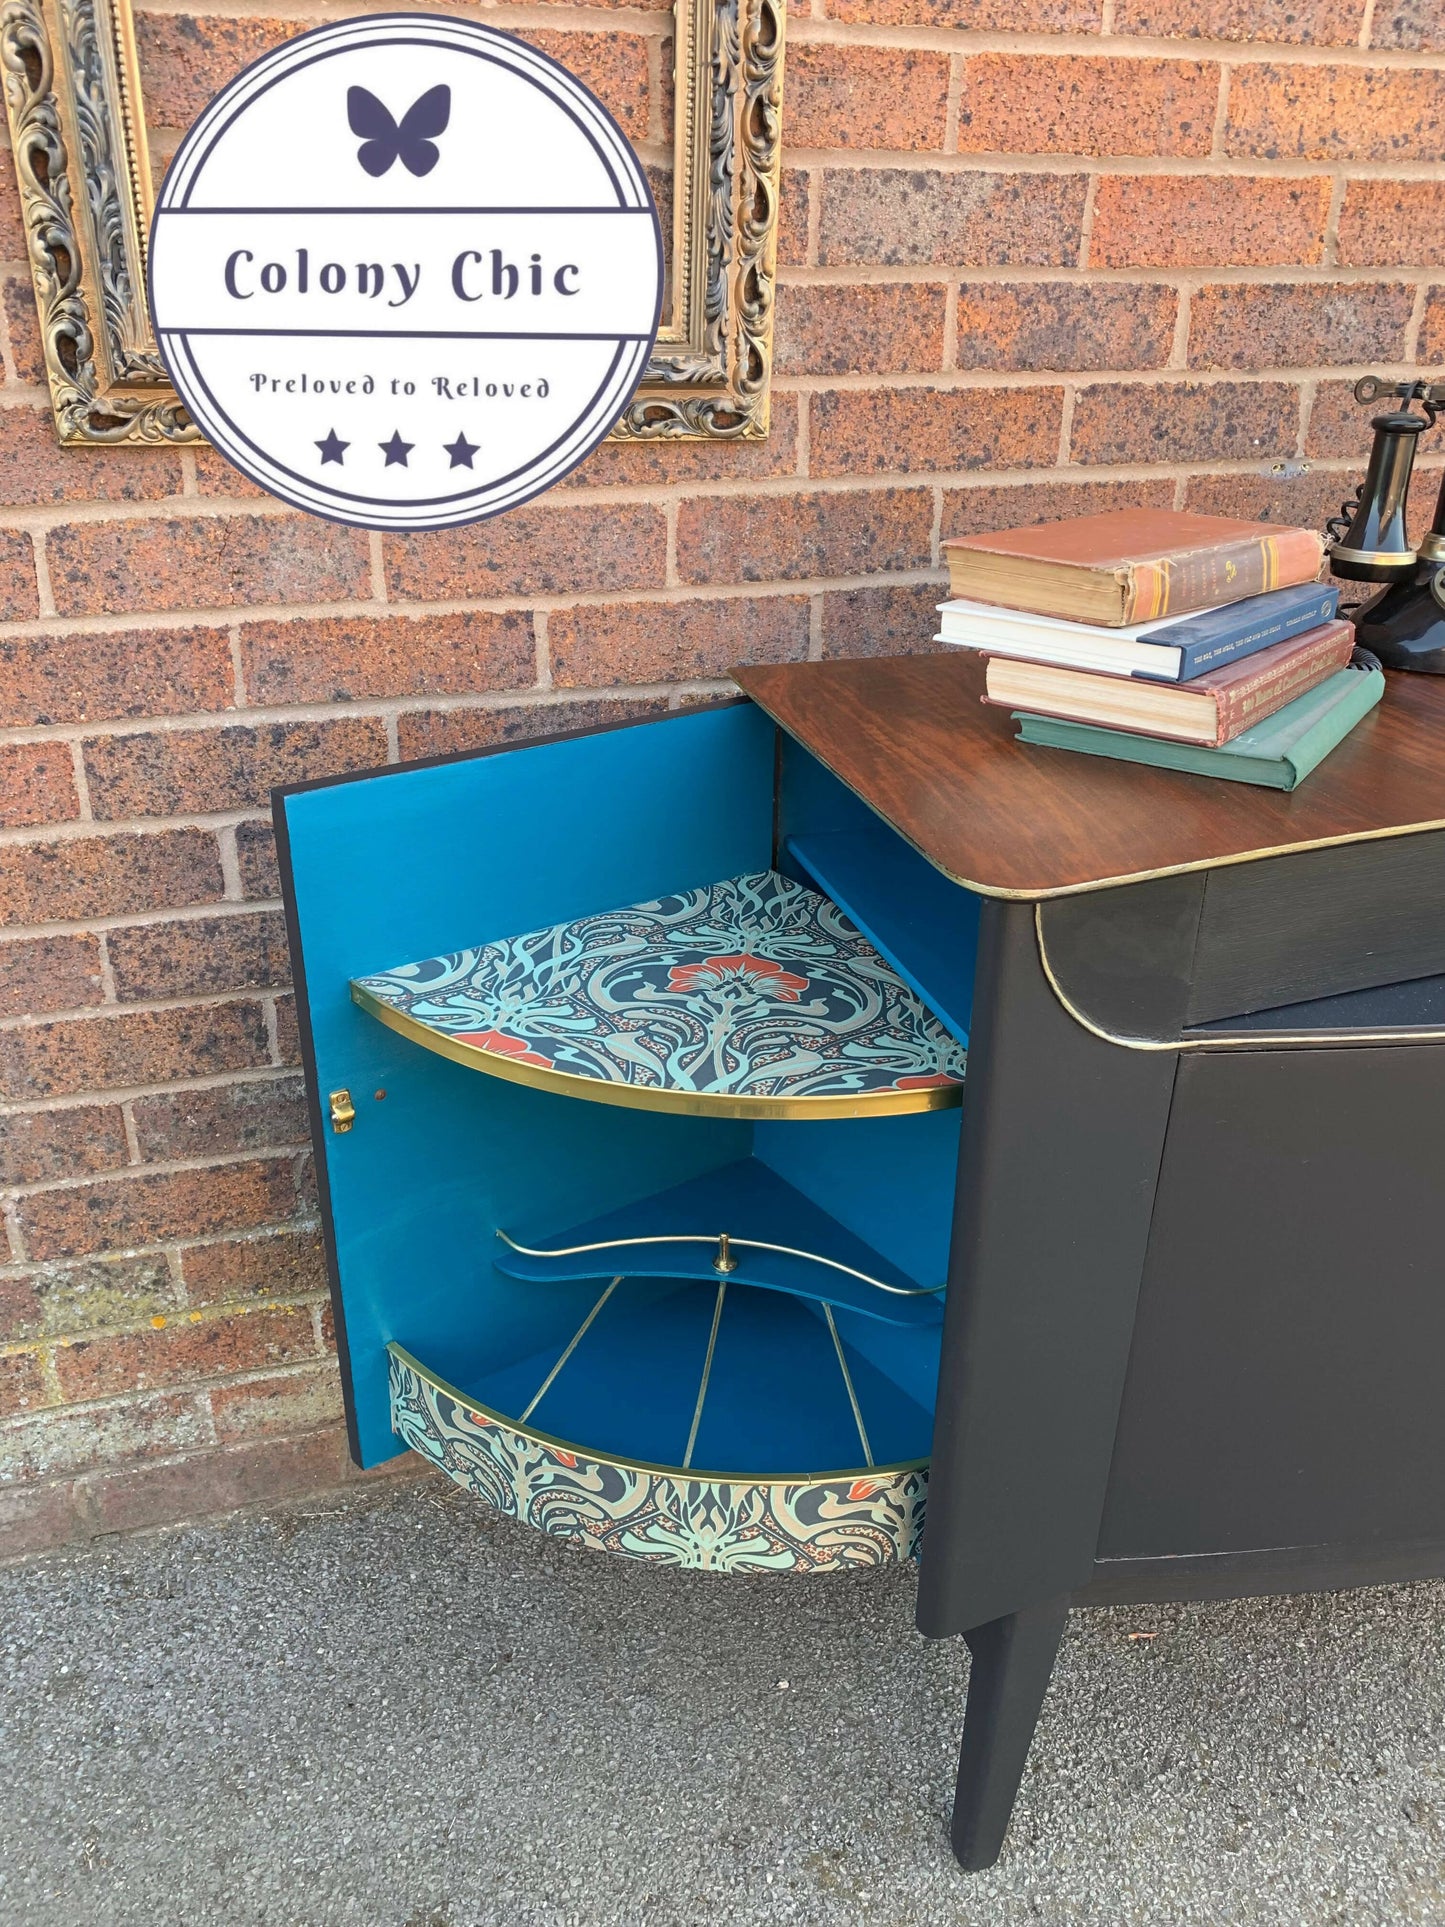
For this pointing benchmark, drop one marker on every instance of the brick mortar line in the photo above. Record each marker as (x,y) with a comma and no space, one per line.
(76,832)
(815,217)
(42,517)
(940,274)
(957,63)
(112,1013)
(186,1318)
(219,617)
(232,884)
(178,1247)
(139,1093)
(588,599)
(1331,238)
(222,616)
(44,594)
(273,1029)
(780,486)
(1221,113)
(573,18)
(821,30)
(1183,318)
(987,380)
(124,1401)
(376,554)
(108,992)
(80,1486)
(1086,224)
(970,42)
(156,1167)
(1283,167)
(174,510)
(652,54)
(369,710)
(83,811)
(1306,411)
(177,1283)
(132,1135)
(298,1154)
(238,666)
(1415,324)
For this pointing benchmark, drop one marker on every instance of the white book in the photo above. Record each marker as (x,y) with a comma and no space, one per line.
(1072,645)
(1169,649)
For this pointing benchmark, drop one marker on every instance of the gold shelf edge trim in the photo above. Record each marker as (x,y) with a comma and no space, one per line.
(636,1097)
(1226,1040)
(897,1471)
(710,1238)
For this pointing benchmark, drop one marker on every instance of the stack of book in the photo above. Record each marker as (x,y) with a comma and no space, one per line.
(1191,642)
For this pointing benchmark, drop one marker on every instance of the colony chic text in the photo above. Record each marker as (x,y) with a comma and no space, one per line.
(476,275)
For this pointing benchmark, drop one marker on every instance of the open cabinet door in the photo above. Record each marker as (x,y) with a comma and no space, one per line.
(425,860)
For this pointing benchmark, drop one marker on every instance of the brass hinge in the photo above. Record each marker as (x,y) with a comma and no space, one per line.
(343,1111)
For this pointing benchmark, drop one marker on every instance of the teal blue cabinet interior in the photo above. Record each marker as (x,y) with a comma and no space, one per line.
(739,1128)
(528,1271)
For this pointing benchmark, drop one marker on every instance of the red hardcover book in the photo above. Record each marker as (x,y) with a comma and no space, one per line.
(1132,565)
(1211,710)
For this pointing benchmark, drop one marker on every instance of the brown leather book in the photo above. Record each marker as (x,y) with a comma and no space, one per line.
(1212,710)
(1132,565)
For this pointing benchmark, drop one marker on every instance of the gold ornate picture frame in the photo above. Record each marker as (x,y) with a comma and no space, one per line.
(77,125)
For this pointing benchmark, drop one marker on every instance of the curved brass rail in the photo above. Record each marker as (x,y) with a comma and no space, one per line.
(712,1238)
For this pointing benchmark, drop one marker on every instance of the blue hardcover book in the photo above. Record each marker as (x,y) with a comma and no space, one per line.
(1216,636)
(1174,650)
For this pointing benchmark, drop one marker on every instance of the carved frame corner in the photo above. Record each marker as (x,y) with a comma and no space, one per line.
(77,127)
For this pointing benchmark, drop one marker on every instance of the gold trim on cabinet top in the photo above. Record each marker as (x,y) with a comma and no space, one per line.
(1094,884)
(1229,1039)
(78,130)
(638,1097)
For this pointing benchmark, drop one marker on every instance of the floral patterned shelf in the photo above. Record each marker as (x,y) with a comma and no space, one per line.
(672,1514)
(753,997)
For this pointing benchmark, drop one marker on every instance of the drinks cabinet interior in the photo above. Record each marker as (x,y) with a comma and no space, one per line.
(694,1315)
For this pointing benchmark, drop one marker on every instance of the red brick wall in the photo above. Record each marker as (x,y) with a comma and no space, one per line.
(1040,256)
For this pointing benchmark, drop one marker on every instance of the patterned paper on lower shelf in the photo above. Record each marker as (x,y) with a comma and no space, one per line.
(672,1518)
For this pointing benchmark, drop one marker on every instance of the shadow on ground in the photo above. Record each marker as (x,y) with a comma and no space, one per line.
(396,1711)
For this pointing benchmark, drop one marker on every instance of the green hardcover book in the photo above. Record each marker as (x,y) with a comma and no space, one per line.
(1278,753)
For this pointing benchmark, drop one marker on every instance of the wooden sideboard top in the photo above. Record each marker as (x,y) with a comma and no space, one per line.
(911,736)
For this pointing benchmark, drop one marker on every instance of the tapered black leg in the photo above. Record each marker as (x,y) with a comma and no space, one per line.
(1013,1660)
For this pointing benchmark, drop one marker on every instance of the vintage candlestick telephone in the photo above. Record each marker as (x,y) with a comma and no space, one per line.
(1405,624)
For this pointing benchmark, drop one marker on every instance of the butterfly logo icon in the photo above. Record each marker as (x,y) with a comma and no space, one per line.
(412,140)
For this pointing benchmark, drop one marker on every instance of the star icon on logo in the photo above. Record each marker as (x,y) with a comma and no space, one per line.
(333,448)
(461,450)
(396,450)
